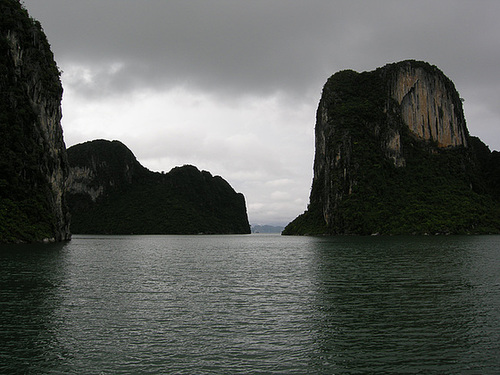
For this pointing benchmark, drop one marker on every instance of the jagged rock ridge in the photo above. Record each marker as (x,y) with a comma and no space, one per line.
(110,192)
(393,155)
(33,164)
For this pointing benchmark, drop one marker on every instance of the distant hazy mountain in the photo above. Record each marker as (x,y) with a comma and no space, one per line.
(266,229)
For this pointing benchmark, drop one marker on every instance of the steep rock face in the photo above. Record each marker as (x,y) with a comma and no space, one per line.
(33,166)
(100,166)
(488,165)
(429,104)
(393,156)
(110,192)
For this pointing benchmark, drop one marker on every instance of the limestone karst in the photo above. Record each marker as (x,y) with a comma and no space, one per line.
(110,192)
(394,156)
(33,164)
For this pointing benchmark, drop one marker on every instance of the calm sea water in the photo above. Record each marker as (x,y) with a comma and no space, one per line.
(254,304)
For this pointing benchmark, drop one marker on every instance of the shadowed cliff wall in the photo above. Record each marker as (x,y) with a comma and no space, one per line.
(33,164)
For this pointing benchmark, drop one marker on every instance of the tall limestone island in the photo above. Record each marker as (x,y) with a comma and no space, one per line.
(394,156)
(110,192)
(33,166)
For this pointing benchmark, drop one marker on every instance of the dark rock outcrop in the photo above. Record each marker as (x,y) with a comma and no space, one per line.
(33,164)
(110,192)
(393,156)
(101,167)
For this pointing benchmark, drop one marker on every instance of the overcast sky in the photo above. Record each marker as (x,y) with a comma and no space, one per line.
(232,86)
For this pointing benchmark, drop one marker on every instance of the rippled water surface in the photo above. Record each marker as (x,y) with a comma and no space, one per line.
(251,304)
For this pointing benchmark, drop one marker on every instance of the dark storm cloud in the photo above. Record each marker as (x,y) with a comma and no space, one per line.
(252,46)
(263,46)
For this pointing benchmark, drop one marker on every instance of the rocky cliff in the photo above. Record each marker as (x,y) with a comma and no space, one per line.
(33,164)
(110,192)
(100,167)
(428,103)
(393,155)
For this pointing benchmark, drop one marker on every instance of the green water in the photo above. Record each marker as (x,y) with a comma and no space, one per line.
(251,304)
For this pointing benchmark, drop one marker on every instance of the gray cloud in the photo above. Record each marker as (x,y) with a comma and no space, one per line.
(216,45)
(263,46)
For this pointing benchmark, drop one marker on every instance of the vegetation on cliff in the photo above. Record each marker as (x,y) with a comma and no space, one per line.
(110,192)
(359,189)
(32,152)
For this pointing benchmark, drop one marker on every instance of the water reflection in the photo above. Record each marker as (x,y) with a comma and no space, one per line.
(30,278)
(251,304)
(397,304)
